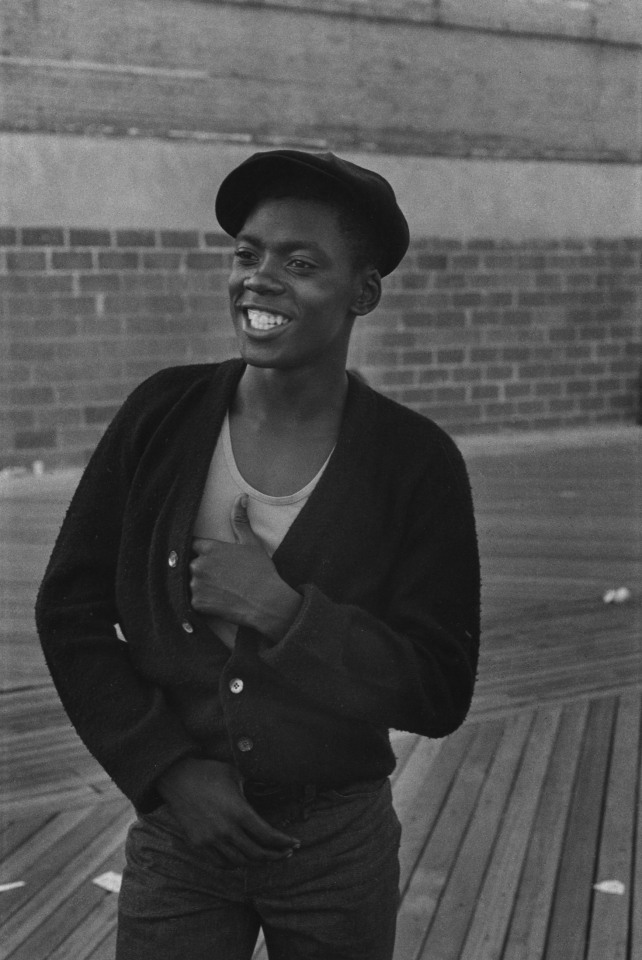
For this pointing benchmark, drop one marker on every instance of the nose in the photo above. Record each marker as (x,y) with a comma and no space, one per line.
(262,279)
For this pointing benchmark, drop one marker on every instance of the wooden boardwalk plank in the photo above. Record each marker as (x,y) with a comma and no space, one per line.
(430,875)
(69,862)
(448,932)
(491,919)
(526,936)
(570,914)
(609,930)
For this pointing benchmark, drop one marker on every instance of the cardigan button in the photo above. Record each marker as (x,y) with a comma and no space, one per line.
(245,745)
(236,685)
(173,558)
(187,626)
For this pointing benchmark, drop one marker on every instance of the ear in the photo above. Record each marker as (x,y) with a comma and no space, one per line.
(369,293)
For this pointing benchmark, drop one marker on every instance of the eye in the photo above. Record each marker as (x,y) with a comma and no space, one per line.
(300,264)
(243,255)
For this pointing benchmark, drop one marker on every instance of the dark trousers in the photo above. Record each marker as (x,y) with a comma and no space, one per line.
(336,898)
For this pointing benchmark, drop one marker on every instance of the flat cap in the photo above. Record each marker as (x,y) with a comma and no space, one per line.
(371,194)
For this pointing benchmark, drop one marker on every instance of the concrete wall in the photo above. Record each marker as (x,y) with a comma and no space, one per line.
(495,79)
(129,182)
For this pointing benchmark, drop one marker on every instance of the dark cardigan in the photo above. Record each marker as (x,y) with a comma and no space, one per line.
(384,554)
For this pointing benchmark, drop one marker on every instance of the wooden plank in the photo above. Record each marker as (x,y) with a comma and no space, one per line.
(80,923)
(69,863)
(526,936)
(448,932)
(570,914)
(609,930)
(636,872)
(420,794)
(491,919)
(430,875)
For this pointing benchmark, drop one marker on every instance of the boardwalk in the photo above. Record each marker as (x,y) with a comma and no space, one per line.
(509,824)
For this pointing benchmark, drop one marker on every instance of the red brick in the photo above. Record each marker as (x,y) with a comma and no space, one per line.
(529,407)
(143,283)
(467,374)
(34,439)
(99,283)
(418,357)
(135,238)
(427,261)
(115,260)
(483,354)
(8,237)
(434,376)
(42,237)
(417,319)
(481,244)
(451,280)
(26,261)
(450,318)
(13,284)
(499,373)
(592,403)
(162,261)
(217,240)
(396,377)
(71,261)
(89,238)
(413,281)
(62,283)
(548,388)
(500,262)
(467,299)
(514,390)
(102,414)
(179,238)
(499,298)
(451,356)
(450,394)
(204,261)
(622,296)
(578,386)
(487,392)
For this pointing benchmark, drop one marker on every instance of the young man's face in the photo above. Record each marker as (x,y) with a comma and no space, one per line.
(293,289)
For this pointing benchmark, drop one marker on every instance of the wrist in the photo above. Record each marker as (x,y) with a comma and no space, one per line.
(284,608)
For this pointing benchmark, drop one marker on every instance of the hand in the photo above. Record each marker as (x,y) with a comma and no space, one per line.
(239,583)
(205,797)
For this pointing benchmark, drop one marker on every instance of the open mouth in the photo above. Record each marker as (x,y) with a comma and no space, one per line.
(264,319)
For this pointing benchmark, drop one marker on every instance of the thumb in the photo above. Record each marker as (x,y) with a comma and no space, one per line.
(241,528)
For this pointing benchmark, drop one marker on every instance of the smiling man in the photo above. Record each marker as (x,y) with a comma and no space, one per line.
(292,561)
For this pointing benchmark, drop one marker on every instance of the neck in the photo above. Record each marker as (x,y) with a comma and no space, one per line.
(291,395)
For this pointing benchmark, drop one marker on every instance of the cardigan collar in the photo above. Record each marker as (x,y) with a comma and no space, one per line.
(297,555)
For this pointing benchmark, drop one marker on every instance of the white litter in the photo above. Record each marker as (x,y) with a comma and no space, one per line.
(621,595)
(611,886)
(109,881)
(12,886)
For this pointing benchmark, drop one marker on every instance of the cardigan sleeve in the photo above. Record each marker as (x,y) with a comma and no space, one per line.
(123,720)
(414,667)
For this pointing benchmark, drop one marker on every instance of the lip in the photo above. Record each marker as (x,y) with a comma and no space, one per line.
(270,334)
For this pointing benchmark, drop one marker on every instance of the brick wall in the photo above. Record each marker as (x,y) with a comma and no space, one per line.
(482,336)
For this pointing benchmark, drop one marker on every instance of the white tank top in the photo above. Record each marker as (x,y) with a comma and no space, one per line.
(269,517)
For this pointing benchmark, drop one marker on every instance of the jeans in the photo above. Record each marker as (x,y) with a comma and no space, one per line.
(336,898)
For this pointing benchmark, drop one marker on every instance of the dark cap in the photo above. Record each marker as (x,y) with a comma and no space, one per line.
(371,194)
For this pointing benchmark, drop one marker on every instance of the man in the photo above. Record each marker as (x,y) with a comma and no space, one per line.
(292,560)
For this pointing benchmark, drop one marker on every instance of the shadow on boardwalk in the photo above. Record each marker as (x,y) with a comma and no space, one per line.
(509,824)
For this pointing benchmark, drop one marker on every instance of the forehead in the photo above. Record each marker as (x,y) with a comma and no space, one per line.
(295,219)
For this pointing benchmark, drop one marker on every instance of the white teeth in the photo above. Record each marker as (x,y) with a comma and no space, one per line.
(261,320)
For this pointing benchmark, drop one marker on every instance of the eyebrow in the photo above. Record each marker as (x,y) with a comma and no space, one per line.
(286,247)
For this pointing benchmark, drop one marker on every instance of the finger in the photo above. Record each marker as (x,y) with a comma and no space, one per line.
(241,848)
(241,528)
(266,836)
